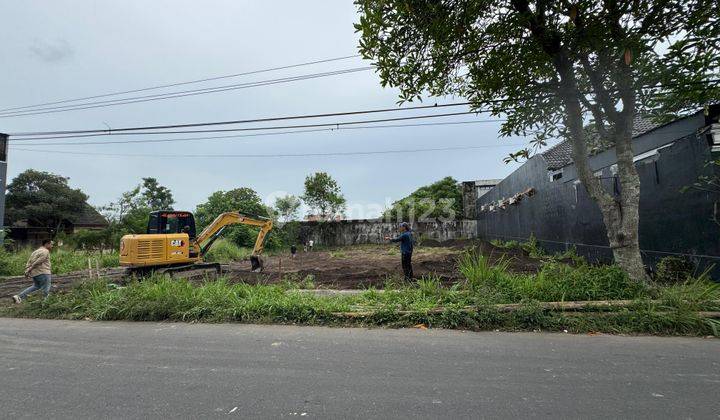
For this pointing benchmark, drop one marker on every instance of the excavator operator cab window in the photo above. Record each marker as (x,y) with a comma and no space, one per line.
(172,222)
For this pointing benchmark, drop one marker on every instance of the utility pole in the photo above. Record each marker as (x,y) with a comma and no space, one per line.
(3,183)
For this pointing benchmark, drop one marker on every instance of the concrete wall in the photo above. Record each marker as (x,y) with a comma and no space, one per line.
(561,214)
(469,197)
(352,232)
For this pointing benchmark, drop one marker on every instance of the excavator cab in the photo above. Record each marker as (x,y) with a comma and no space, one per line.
(170,221)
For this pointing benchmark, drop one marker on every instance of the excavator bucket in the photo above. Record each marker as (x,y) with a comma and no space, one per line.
(256,264)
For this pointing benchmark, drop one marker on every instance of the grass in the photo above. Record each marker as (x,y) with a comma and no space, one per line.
(161,298)
(63,260)
(472,304)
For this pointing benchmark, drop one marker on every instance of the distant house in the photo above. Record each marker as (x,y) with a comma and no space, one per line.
(89,219)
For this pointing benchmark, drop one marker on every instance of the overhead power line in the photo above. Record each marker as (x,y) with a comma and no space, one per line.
(180,94)
(271,155)
(277,133)
(268,128)
(117,131)
(162,127)
(208,79)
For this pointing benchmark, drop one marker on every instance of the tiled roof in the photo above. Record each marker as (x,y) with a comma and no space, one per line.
(560,155)
(89,217)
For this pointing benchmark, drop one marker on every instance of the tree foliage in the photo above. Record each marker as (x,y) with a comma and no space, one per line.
(323,195)
(287,207)
(441,199)
(44,200)
(129,214)
(550,66)
(244,200)
(155,196)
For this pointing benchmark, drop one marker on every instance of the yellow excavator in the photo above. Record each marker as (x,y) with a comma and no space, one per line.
(170,244)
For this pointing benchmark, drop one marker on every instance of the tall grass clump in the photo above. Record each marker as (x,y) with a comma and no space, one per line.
(479,271)
(63,260)
(556,281)
(224,250)
(13,263)
(559,282)
(693,293)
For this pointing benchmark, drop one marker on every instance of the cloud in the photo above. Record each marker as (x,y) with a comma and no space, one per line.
(52,52)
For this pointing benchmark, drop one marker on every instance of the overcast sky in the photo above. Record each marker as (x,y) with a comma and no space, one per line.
(55,50)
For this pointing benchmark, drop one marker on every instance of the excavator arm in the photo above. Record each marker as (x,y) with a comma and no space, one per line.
(206,238)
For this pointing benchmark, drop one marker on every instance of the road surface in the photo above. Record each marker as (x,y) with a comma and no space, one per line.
(66,369)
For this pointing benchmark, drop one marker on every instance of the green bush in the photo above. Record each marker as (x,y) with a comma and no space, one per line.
(673,269)
(90,240)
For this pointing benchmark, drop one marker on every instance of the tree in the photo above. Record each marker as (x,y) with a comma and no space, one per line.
(147,196)
(551,66)
(244,200)
(129,214)
(154,196)
(44,200)
(287,207)
(322,194)
(441,199)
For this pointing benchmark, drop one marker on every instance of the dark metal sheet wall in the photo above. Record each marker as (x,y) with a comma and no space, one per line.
(562,215)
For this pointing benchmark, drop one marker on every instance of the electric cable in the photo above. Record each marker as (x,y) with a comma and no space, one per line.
(208,79)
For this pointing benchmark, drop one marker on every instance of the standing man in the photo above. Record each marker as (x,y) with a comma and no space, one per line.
(38,268)
(406,248)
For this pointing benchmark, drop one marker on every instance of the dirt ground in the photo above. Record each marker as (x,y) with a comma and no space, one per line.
(363,266)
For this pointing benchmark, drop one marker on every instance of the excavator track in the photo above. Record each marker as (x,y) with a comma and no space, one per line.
(181,271)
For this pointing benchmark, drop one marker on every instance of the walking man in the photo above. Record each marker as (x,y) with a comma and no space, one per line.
(406,248)
(38,268)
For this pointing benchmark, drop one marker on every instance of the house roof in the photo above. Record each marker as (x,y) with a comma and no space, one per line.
(560,155)
(89,217)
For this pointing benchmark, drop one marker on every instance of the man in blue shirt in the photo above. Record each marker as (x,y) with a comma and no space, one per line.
(406,248)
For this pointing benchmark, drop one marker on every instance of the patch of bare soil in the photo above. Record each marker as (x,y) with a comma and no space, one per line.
(362,266)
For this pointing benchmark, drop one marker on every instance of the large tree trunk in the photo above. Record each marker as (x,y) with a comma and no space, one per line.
(620,214)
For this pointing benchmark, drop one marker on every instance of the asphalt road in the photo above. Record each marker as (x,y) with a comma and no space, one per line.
(59,369)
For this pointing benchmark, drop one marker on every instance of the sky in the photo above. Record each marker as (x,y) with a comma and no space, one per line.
(67,49)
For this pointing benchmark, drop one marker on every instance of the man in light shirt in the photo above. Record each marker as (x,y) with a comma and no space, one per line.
(38,268)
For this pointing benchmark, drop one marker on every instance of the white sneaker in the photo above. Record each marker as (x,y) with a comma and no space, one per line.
(16,299)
